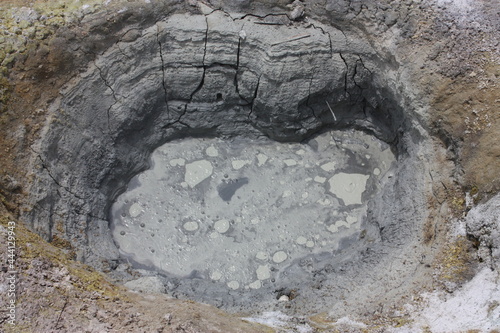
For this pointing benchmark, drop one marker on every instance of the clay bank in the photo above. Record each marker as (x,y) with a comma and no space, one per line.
(294,157)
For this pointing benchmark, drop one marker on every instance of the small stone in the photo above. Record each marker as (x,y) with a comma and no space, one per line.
(168,318)
(319,179)
(262,159)
(191,226)
(279,257)
(177,162)
(135,210)
(221,226)
(197,171)
(216,276)
(238,164)
(297,13)
(233,285)
(284,298)
(256,284)
(301,240)
(212,151)
(351,219)
(147,284)
(263,272)
(330,166)
(261,255)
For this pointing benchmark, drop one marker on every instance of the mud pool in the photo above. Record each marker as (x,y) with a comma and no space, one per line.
(239,211)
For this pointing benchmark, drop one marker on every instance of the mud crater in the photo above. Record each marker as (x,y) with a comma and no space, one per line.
(243,107)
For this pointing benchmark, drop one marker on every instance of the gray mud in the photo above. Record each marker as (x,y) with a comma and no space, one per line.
(239,211)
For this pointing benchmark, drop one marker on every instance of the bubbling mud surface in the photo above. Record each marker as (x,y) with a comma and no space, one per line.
(239,211)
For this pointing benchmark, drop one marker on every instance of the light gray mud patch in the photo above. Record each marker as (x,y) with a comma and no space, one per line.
(237,212)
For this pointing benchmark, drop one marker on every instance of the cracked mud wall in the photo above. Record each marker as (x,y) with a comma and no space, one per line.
(183,76)
(173,89)
(441,69)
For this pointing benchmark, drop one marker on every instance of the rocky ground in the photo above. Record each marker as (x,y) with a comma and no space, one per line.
(448,49)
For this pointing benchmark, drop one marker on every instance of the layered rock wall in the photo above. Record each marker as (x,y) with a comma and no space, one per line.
(210,75)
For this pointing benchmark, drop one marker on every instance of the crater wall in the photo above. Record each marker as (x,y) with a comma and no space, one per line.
(223,75)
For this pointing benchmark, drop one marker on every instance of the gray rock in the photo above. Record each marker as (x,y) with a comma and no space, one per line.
(483,223)
(297,11)
(147,284)
(25,14)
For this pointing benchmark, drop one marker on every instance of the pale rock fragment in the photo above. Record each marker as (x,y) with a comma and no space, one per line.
(279,257)
(197,171)
(263,272)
